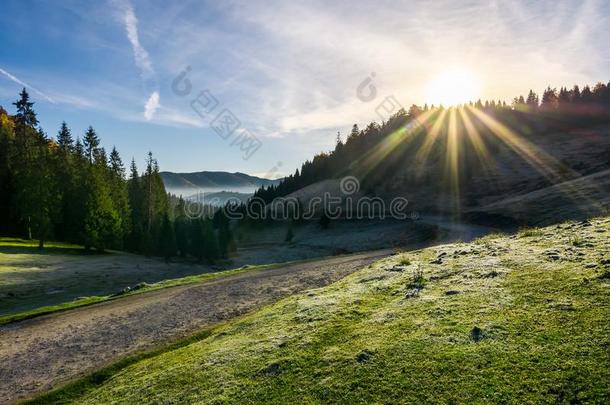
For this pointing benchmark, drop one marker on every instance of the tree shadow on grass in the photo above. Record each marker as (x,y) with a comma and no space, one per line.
(19,246)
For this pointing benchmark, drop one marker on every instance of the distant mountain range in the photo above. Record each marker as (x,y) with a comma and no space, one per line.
(190,183)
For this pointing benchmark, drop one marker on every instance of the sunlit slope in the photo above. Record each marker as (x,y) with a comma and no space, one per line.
(579,198)
(505,167)
(459,161)
(519,318)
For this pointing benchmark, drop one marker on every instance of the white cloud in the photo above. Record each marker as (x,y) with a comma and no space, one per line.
(151,106)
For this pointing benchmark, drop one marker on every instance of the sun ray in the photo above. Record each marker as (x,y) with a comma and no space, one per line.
(389,143)
(431,137)
(556,172)
(452,162)
(476,141)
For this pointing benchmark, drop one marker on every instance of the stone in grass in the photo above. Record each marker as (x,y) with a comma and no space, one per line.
(491,274)
(439,258)
(272,370)
(476,334)
(364,356)
(552,255)
(452,292)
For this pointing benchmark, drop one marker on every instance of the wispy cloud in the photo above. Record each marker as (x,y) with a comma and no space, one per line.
(24,84)
(151,105)
(141,56)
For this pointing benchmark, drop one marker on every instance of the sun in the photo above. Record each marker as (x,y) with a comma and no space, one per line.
(454,86)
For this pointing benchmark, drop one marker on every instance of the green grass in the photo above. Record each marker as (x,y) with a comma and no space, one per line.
(64,276)
(143,287)
(497,320)
(530,232)
(35,283)
(16,245)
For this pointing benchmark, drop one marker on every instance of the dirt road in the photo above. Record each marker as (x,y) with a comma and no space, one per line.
(40,353)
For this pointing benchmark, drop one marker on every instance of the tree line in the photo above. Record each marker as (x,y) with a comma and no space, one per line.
(529,116)
(73,190)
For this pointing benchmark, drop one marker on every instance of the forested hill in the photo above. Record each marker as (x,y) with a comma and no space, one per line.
(70,189)
(465,156)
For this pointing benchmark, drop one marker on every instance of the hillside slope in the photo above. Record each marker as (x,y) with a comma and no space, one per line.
(507,169)
(520,318)
(457,166)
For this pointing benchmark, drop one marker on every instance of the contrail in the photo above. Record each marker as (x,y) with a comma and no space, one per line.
(24,84)
(141,57)
(139,53)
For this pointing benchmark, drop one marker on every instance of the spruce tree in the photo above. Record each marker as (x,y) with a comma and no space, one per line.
(91,143)
(211,249)
(532,100)
(64,139)
(549,99)
(33,175)
(25,116)
(119,194)
(168,238)
(134,190)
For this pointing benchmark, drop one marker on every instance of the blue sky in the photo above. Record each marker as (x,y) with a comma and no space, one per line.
(287,70)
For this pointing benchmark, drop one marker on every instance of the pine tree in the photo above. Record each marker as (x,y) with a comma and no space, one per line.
(79,149)
(226,243)
(532,100)
(63,161)
(7,192)
(586,96)
(549,99)
(33,175)
(355,132)
(91,143)
(181,228)
(64,139)
(210,242)
(25,116)
(575,94)
(119,194)
(134,189)
(197,239)
(563,99)
(116,164)
(168,238)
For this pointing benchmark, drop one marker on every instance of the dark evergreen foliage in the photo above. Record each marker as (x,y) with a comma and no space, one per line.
(73,191)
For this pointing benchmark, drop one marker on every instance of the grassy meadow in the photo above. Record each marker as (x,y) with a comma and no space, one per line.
(519,319)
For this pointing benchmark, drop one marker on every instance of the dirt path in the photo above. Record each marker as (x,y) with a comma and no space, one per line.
(40,353)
